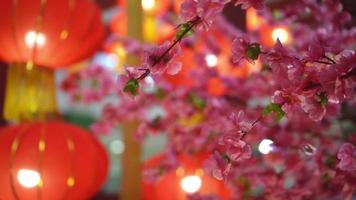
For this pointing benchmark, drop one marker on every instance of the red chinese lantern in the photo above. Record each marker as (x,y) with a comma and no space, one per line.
(216,86)
(49,33)
(50,160)
(187,179)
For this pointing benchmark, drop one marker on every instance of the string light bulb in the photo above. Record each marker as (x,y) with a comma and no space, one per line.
(281,34)
(211,60)
(191,184)
(28,178)
(265,146)
(33,38)
(148,5)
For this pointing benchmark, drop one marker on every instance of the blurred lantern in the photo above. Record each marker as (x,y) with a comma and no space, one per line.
(184,77)
(270,34)
(220,55)
(253,20)
(49,33)
(176,6)
(50,160)
(187,179)
(45,33)
(119,24)
(216,86)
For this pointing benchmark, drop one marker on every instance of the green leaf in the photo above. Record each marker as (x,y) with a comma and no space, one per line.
(273,108)
(253,51)
(132,87)
(185,30)
(323,99)
(330,161)
(266,67)
(226,157)
(160,94)
(277,15)
(197,101)
(325,180)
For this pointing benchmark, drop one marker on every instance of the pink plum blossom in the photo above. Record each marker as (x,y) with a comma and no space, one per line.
(161,59)
(347,157)
(206,10)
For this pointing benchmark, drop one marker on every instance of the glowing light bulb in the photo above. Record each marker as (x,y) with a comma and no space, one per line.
(266,146)
(117,147)
(33,38)
(28,178)
(281,34)
(148,4)
(211,60)
(191,184)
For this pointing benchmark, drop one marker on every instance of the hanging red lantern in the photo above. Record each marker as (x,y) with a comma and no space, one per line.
(49,33)
(189,178)
(50,160)
(216,86)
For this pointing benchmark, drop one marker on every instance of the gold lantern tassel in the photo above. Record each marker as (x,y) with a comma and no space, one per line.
(30,93)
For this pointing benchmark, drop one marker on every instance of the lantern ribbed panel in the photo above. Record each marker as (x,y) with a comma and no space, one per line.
(72,30)
(72,164)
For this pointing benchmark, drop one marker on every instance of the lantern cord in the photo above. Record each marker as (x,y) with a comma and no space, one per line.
(38,27)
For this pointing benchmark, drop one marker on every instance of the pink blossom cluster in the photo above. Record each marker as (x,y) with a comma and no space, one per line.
(300,96)
(89,85)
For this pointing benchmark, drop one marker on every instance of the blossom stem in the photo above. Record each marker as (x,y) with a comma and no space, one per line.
(329,59)
(144,75)
(257,120)
(192,24)
(252,125)
(323,62)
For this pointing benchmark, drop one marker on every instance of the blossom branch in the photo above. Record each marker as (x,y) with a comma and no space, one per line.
(179,38)
(331,60)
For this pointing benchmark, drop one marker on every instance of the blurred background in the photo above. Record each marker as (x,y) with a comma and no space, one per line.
(84,115)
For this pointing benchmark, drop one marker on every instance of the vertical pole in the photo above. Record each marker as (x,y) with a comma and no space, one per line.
(131,158)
